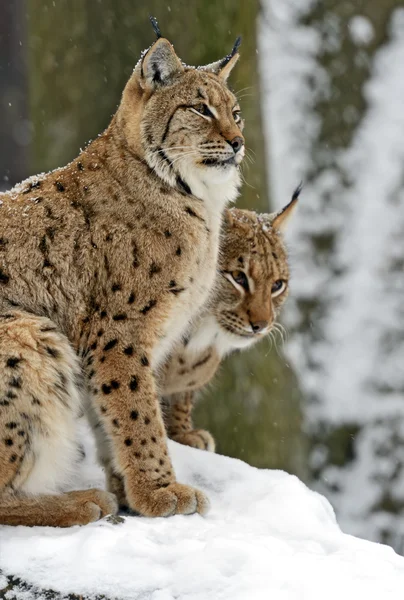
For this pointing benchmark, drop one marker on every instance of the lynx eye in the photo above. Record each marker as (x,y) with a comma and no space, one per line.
(237,116)
(204,110)
(240,278)
(277,288)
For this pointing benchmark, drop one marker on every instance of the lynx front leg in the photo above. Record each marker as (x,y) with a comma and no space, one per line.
(179,423)
(127,405)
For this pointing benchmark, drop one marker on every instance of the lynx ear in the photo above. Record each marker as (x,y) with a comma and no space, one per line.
(224,67)
(160,64)
(280,219)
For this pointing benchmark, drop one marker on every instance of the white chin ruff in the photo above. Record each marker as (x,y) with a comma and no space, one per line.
(215,185)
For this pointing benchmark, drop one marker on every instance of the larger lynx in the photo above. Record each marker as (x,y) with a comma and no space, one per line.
(108,259)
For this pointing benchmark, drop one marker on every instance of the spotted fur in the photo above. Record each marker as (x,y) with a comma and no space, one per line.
(109,259)
(237,318)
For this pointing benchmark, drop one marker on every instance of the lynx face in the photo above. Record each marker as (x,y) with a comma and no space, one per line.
(189,122)
(253,279)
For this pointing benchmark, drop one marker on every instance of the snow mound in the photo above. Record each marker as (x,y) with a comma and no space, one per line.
(267,536)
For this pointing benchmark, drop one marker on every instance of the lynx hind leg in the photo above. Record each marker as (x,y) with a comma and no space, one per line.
(39,404)
(179,423)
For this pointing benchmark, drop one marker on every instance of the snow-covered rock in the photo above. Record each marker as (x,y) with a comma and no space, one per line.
(267,536)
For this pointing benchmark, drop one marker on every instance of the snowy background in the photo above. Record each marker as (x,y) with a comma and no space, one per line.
(333,96)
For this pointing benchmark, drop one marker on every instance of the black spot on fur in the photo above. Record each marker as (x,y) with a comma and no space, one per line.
(50,232)
(154,269)
(134,383)
(93,346)
(11,425)
(167,233)
(116,287)
(192,213)
(128,350)
(12,362)
(131,298)
(146,421)
(8,442)
(100,332)
(148,307)
(120,317)
(49,213)
(134,415)
(183,187)
(177,291)
(106,389)
(4,403)
(201,362)
(3,243)
(32,186)
(80,166)
(59,186)
(153,439)
(115,384)
(103,314)
(178,251)
(53,352)
(115,422)
(128,442)
(13,458)
(143,442)
(43,246)
(111,344)
(4,278)
(16,382)
(11,395)
(144,361)
(103,409)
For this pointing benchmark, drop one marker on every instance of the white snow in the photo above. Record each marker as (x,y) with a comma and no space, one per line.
(361,30)
(266,536)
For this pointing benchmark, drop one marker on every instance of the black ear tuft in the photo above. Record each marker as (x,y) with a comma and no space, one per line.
(297,191)
(234,51)
(155,26)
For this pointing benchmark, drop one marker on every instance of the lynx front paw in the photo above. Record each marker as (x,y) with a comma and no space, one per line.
(175,499)
(197,438)
(92,505)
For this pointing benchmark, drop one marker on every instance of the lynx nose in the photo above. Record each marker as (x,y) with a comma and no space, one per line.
(236,143)
(259,326)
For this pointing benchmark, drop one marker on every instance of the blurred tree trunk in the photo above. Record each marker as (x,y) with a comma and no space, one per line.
(353,413)
(14,126)
(81,55)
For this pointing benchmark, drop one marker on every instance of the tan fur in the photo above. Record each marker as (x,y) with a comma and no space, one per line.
(251,243)
(111,257)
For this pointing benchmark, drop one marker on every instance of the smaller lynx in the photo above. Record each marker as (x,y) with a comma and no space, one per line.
(251,288)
